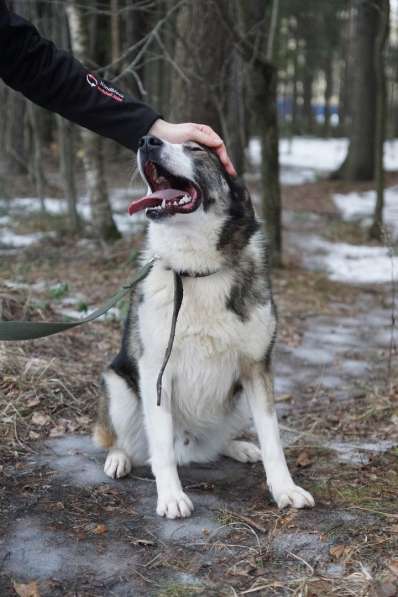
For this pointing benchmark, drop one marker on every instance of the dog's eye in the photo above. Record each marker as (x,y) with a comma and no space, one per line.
(193,148)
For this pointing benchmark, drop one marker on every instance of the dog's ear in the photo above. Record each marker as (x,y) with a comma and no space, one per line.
(239,190)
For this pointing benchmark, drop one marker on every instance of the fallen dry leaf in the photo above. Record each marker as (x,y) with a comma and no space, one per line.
(27,590)
(40,419)
(303,459)
(337,551)
(100,529)
(34,435)
(32,401)
(57,431)
(393,566)
(288,519)
(84,420)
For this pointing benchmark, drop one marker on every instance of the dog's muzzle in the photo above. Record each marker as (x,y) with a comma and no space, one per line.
(170,193)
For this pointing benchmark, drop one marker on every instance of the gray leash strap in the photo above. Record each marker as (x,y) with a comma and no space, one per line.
(29,330)
(178,296)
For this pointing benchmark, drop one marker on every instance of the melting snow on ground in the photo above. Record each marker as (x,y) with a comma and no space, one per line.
(304,159)
(352,264)
(360,207)
(363,264)
(120,199)
(11,239)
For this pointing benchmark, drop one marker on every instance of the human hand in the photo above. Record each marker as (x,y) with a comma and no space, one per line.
(189,131)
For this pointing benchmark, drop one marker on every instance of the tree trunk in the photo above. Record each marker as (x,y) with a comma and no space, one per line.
(15,149)
(115,31)
(201,53)
(234,124)
(376,230)
(328,94)
(38,158)
(67,139)
(308,116)
(101,211)
(68,165)
(344,106)
(101,214)
(271,194)
(294,85)
(360,161)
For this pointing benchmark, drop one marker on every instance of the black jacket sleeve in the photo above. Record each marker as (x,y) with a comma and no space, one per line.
(55,80)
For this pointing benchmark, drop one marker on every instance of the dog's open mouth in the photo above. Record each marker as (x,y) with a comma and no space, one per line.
(170,194)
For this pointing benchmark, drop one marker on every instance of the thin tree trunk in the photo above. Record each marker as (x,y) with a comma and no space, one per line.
(328,94)
(294,85)
(234,124)
(376,230)
(68,165)
(115,30)
(345,99)
(38,158)
(308,116)
(101,214)
(15,148)
(360,161)
(101,211)
(271,194)
(66,139)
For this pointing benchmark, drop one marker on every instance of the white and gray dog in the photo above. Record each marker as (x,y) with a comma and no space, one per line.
(203,226)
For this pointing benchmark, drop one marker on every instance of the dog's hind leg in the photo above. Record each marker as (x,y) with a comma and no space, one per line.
(242,451)
(258,386)
(120,427)
(237,423)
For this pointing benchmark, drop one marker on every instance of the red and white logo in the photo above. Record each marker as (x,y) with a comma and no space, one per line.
(91,80)
(104,89)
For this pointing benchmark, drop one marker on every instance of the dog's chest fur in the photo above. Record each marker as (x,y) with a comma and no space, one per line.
(211,341)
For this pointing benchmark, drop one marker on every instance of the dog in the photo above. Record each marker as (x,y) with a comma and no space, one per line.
(202,225)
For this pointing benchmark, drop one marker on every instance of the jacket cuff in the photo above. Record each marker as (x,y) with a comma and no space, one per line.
(140,125)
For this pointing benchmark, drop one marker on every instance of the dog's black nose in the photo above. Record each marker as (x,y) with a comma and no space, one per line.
(149,142)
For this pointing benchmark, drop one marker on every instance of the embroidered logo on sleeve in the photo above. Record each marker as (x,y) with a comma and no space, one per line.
(104,89)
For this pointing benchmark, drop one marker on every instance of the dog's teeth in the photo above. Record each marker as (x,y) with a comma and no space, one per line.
(164,203)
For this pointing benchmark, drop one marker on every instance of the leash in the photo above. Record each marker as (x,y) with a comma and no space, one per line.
(29,330)
(13,331)
(178,296)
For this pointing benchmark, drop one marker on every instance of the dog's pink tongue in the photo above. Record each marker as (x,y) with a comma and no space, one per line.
(155,199)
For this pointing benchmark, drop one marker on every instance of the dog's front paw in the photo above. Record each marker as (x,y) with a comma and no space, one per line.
(176,505)
(292,495)
(117,464)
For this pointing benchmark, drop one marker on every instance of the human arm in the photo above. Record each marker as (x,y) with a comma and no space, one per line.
(55,80)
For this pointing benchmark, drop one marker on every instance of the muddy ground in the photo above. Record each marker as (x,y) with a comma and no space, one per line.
(66,529)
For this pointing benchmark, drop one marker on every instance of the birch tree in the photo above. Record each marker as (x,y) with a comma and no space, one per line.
(101,212)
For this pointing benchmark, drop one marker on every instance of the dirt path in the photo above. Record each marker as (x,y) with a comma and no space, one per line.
(66,529)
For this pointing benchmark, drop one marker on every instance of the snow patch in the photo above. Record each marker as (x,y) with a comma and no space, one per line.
(360,207)
(352,264)
(9,238)
(304,159)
